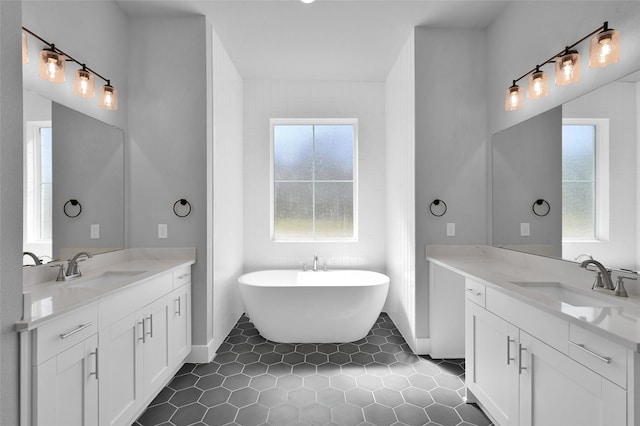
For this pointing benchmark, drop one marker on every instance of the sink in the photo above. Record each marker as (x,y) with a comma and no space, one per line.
(104,279)
(558,292)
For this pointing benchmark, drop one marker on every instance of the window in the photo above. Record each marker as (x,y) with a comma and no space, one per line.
(584,179)
(314,189)
(38,187)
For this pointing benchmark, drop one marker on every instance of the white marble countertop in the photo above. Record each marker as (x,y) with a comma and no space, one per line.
(48,299)
(617,318)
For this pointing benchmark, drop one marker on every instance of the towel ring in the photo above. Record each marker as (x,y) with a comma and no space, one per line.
(182,202)
(437,202)
(73,203)
(540,202)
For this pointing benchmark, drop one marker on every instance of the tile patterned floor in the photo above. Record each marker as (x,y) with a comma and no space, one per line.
(374,381)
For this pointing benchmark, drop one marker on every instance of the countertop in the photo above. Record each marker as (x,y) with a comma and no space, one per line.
(49,299)
(619,320)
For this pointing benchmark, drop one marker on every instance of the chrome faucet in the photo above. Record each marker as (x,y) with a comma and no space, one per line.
(603,279)
(315,263)
(33,256)
(72,268)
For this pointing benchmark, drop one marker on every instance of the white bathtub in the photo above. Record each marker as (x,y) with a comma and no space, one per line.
(291,306)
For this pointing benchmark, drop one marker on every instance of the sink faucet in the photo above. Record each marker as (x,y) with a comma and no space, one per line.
(33,256)
(603,280)
(72,268)
(315,263)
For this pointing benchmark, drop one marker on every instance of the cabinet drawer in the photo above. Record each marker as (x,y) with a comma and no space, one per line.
(181,276)
(475,292)
(599,354)
(63,332)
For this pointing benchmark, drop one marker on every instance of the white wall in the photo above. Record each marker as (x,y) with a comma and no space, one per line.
(10,207)
(617,102)
(528,32)
(264,100)
(95,33)
(400,187)
(226,185)
(451,145)
(168,144)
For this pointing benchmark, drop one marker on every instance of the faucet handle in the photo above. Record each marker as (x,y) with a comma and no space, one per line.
(620,290)
(597,283)
(60,276)
(304,266)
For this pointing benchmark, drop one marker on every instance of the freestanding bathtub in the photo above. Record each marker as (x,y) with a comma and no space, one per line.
(291,306)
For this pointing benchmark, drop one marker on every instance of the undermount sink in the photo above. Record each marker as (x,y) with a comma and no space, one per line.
(558,292)
(106,278)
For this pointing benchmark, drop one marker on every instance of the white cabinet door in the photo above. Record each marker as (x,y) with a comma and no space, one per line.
(120,368)
(556,390)
(66,387)
(492,363)
(181,323)
(157,344)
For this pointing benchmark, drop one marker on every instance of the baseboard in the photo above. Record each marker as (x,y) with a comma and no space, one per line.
(201,354)
(423,345)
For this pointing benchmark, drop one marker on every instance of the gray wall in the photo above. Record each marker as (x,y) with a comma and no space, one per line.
(527,165)
(10,206)
(451,129)
(168,143)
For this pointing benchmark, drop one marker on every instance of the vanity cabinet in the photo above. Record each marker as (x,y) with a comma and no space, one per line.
(526,367)
(181,314)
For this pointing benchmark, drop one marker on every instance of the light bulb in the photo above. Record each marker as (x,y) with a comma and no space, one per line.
(108,97)
(84,85)
(604,48)
(537,86)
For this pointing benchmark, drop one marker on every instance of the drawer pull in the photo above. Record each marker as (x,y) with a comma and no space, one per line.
(144,333)
(183,276)
(77,330)
(604,359)
(95,373)
(150,318)
(509,341)
(520,367)
(472,291)
(179,311)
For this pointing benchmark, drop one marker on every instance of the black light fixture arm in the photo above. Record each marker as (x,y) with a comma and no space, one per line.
(603,27)
(66,55)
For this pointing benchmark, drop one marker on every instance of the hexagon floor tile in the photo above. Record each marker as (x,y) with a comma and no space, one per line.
(374,381)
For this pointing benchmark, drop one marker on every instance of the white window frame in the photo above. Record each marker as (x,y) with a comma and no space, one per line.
(602,176)
(310,122)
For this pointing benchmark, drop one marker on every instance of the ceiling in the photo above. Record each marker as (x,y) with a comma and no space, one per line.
(326,40)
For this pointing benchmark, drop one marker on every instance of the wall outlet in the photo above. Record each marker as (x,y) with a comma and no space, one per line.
(451,229)
(162,230)
(525,230)
(95,231)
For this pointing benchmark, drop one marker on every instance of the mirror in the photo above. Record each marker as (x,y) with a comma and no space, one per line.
(582,159)
(73,182)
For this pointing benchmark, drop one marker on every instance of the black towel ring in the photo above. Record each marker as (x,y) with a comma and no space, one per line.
(73,203)
(540,202)
(437,202)
(182,202)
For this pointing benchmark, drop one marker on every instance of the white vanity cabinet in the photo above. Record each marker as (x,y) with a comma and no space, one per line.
(524,380)
(181,319)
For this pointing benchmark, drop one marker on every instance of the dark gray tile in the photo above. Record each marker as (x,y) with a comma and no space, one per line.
(330,397)
(379,415)
(389,397)
(185,396)
(254,369)
(446,397)
(411,415)
(418,397)
(262,382)
(289,382)
(188,414)
(284,415)
(220,415)
(237,381)
(243,397)
(209,382)
(316,382)
(206,369)
(301,397)
(315,414)
(347,414)
(214,397)
(443,414)
(359,397)
(272,397)
(164,396)
(252,415)
(183,382)
(156,415)
(472,414)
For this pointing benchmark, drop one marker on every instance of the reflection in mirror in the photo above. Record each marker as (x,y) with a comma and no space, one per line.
(70,156)
(584,156)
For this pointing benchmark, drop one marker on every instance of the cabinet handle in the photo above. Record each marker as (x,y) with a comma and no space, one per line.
(150,318)
(520,367)
(95,373)
(77,330)
(509,341)
(179,312)
(183,276)
(144,332)
(604,359)
(472,291)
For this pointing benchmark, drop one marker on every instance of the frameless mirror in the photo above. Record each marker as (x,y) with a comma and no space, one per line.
(73,182)
(583,160)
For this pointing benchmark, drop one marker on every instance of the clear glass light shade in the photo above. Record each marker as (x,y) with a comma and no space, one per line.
(538,86)
(84,84)
(25,49)
(108,97)
(514,98)
(568,68)
(604,49)
(52,66)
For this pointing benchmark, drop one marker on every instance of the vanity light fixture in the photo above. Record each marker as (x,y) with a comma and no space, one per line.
(52,67)
(604,50)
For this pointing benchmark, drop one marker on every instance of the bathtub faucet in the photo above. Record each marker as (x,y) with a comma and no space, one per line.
(315,263)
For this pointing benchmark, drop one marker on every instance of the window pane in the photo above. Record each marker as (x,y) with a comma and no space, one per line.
(578,152)
(578,218)
(46,178)
(293,214)
(293,152)
(334,152)
(334,210)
